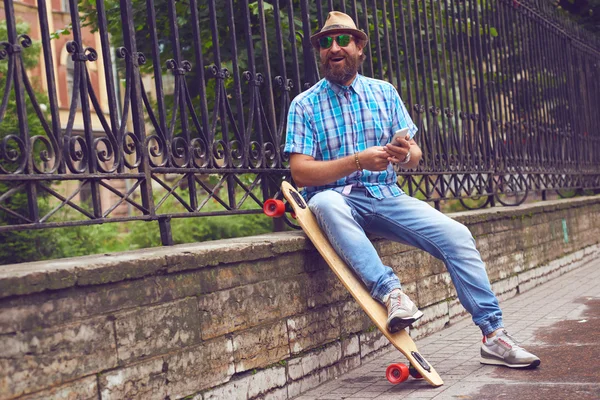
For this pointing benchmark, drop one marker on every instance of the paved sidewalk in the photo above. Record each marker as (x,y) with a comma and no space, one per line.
(559,321)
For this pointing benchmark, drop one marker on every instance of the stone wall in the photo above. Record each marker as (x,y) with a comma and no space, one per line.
(258,317)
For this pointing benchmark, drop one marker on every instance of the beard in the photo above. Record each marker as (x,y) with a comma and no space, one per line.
(340,74)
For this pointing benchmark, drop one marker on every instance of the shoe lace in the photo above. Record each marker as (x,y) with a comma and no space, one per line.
(509,340)
(394,302)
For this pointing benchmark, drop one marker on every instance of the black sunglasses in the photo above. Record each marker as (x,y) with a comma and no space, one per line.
(327,41)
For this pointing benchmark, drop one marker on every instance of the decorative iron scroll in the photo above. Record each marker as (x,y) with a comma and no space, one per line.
(179,110)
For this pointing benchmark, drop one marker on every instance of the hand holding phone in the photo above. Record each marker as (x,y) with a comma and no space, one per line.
(401,133)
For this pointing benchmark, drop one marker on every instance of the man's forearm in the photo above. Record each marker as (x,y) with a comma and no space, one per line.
(309,172)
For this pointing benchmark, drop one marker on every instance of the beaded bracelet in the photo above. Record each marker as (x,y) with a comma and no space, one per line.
(358,167)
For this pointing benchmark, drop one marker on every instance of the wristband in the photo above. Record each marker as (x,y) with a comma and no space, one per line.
(358,167)
(406,159)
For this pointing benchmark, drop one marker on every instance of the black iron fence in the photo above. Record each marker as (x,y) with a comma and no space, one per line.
(505,94)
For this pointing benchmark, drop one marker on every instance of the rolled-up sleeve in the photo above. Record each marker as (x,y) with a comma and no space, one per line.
(300,135)
(401,118)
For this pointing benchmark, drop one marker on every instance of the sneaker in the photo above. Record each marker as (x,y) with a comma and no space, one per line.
(402,312)
(502,349)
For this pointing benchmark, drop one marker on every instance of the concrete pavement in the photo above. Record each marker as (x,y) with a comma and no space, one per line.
(558,321)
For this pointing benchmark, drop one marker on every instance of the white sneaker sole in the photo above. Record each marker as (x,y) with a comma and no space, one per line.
(405,322)
(493,361)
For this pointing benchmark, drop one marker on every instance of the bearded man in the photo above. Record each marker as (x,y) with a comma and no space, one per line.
(339,137)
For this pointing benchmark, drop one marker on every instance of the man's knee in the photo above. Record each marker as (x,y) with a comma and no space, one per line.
(458,231)
(326,202)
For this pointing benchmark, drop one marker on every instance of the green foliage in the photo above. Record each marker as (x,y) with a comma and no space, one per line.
(35,245)
(30,55)
(22,245)
(188,230)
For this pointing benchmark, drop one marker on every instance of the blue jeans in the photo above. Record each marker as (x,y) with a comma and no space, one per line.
(345,220)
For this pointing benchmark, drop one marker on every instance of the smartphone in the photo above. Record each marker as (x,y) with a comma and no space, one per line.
(399,133)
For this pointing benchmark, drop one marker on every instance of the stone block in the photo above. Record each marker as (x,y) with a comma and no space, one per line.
(145,380)
(261,346)
(506,288)
(119,267)
(372,341)
(388,248)
(535,219)
(503,266)
(292,241)
(250,386)
(244,273)
(44,310)
(194,256)
(353,318)
(493,245)
(534,236)
(324,288)
(321,376)
(39,359)
(412,290)
(241,308)
(175,375)
(35,277)
(149,331)
(314,361)
(435,318)
(81,389)
(532,283)
(22,279)
(181,284)
(456,311)
(315,328)
(484,224)
(227,276)
(414,265)
(350,346)
(434,289)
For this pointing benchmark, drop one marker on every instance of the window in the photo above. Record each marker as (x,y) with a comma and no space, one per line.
(70,81)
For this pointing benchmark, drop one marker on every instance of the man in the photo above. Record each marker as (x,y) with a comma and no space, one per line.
(338,138)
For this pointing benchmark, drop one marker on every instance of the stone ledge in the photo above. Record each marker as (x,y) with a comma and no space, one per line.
(35,277)
(498,213)
(28,278)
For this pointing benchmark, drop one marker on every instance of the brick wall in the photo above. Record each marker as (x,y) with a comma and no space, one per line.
(259,317)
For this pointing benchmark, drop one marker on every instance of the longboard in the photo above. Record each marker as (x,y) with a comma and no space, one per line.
(395,373)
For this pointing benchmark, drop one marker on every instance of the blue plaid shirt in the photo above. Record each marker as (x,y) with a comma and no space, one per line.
(329,121)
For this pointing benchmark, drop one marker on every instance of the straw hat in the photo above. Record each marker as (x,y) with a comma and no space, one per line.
(337,22)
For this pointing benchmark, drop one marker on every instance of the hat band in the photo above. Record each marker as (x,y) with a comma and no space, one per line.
(337,27)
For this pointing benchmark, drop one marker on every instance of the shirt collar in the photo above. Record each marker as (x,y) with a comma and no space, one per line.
(340,90)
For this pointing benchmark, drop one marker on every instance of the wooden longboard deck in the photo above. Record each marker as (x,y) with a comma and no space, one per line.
(375,310)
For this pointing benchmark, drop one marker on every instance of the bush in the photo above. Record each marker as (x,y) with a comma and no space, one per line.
(35,245)
(198,229)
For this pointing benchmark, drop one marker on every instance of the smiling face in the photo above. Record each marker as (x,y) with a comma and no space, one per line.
(340,64)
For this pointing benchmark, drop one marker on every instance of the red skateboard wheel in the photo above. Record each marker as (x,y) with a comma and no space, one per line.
(274,208)
(396,373)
